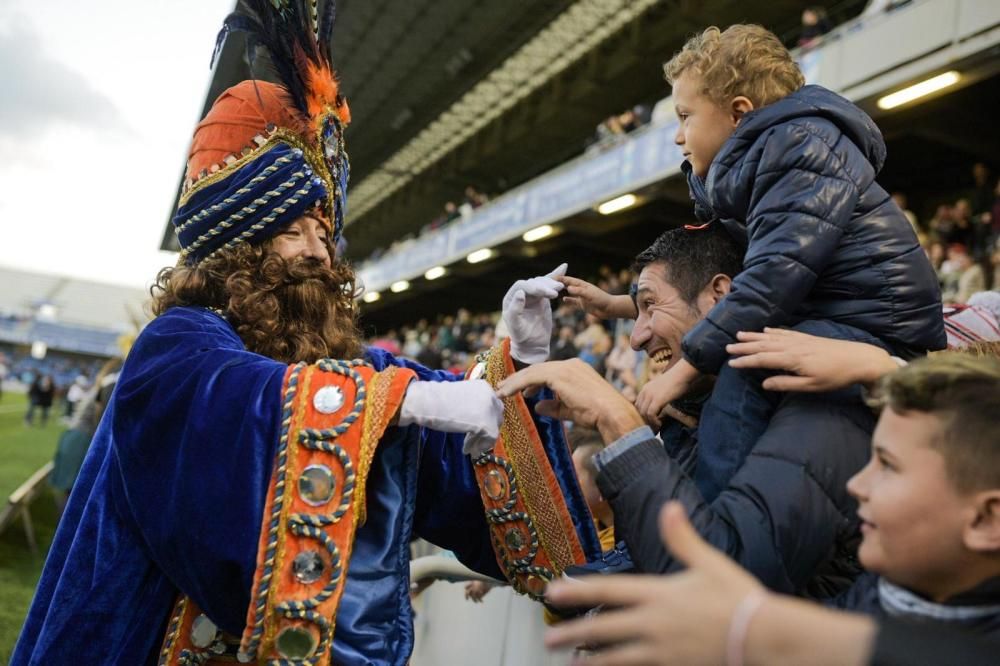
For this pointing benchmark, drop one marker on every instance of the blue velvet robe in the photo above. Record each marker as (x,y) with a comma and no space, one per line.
(172,491)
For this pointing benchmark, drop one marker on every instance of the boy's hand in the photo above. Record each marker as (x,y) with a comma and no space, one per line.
(653,401)
(670,620)
(594,300)
(808,362)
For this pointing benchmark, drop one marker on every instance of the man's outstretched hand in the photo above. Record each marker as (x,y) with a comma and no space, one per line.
(581,396)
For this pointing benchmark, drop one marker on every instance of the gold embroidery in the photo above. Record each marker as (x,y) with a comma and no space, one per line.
(378,396)
(551,531)
(313,156)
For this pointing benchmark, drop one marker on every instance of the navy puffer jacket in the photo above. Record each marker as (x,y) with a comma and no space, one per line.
(825,241)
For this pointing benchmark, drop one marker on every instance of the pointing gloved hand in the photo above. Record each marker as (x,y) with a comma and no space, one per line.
(528,315)
(469,406)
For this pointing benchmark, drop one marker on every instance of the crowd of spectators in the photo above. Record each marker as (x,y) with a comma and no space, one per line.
(63,369)
(962,238)
(453,210)
(611,130)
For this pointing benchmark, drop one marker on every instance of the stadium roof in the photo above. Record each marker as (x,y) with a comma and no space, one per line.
(449,93)
(74,301)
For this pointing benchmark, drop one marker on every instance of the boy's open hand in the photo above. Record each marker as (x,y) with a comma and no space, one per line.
(594,300)
(808,362)
(653,401)
(657,620)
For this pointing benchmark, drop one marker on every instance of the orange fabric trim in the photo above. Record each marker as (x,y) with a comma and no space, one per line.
(341,442)
(178,642)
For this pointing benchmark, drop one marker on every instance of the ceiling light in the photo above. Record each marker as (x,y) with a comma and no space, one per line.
(479,255)
(617,204)
(435,273)
(371,296)
(538,233)
(918,90)
(397,287)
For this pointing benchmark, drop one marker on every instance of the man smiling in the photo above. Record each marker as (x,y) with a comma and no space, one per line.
(785,515)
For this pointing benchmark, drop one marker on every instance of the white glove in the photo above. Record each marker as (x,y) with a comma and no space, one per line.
(470,406)
(528,315)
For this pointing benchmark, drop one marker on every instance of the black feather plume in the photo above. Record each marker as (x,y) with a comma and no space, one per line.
(290,32)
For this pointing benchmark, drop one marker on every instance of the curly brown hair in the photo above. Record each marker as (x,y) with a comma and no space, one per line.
(743,59)
(290,311)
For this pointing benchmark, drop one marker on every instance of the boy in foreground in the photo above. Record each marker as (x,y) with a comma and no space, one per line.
(930,498)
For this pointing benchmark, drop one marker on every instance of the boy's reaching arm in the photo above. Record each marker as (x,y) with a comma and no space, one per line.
(654,398)
(596,301)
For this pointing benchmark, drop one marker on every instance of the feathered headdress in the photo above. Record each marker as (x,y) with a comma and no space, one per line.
(266,154)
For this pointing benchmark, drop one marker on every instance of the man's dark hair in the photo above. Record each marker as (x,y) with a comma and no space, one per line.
(692,257)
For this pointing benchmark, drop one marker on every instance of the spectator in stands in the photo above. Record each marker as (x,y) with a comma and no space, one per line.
(474,198)
(586,444)
(430,354)
(899,199)
(936,251)
(972,278)
(942,225)
(961,276)
(461,329)
(621,365)
(564,348)
(963,232)
(593,343)
(785,514)
(982,196)
(815,24)
(40,396)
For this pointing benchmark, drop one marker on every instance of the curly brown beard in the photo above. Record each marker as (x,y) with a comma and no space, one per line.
(290,311)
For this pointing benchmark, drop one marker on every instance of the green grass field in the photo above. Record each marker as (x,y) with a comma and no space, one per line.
(22,451)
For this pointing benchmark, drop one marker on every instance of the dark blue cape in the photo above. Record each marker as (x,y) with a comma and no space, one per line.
(171,494)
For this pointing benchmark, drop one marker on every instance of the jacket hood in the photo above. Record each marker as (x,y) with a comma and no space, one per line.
(811,102)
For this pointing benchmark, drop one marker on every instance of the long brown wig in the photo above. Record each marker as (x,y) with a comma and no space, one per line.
(290,311)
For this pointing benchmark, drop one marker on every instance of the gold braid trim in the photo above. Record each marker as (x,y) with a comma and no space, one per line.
(378,398)
(531,479)
(313,156)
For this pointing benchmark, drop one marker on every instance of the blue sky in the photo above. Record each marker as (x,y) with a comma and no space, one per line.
(97,106)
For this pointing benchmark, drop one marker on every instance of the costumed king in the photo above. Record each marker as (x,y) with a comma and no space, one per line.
(249,494)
